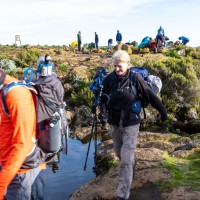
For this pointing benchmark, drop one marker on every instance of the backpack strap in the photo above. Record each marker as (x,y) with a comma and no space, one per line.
(112,77)
(10,86)
(135,92)
(2,77)
(132,84)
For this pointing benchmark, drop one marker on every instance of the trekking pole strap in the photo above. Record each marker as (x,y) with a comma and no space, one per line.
(93,126)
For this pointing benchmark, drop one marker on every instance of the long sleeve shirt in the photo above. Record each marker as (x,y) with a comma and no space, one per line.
(112,81)
(119,37)
(17,131)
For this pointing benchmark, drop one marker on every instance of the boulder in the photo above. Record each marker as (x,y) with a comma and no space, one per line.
(162,145)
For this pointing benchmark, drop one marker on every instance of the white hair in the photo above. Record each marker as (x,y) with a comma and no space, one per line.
(121,56)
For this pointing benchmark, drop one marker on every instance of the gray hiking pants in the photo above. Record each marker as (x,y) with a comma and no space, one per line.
(20,187)
(124,141)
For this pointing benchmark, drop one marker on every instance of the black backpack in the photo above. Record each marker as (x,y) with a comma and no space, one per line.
(51,119)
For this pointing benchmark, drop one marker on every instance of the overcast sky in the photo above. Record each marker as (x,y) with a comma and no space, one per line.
(56,22)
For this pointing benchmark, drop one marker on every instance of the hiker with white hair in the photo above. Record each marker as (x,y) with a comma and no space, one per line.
(127,92)
(46,67)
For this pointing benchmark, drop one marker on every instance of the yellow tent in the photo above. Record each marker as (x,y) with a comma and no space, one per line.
(74,43)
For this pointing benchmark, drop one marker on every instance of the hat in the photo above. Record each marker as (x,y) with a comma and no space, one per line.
(48,58)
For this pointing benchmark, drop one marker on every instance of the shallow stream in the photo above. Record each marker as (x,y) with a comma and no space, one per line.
(70,175)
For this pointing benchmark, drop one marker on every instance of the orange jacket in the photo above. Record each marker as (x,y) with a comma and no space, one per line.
(16,133)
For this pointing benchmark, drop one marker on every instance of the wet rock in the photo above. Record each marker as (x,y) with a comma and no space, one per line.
(103,187)
(82,117)
(82,132)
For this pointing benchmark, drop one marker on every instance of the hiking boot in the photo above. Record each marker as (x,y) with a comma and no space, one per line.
(104,127)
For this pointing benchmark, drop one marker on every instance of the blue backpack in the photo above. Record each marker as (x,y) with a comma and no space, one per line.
(98,80)
(153,81)
(144,42)
(142,71)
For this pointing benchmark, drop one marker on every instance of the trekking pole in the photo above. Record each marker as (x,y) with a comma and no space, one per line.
(93,125)
(95,142)
(66,138)
(98,103)
(65,127)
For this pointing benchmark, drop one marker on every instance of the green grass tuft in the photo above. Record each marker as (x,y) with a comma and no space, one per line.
(185,171)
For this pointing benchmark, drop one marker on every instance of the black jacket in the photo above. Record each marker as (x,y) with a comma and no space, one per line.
(96,38)
(119,101)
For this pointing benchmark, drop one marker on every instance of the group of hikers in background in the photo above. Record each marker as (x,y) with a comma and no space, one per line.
(147,42)
(159,41)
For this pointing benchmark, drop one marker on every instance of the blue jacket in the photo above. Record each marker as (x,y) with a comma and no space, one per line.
(119,37)
(44,64)
(183,38)
(161,31)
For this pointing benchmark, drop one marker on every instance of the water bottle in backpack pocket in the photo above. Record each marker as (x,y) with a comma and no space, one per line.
(49,135)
